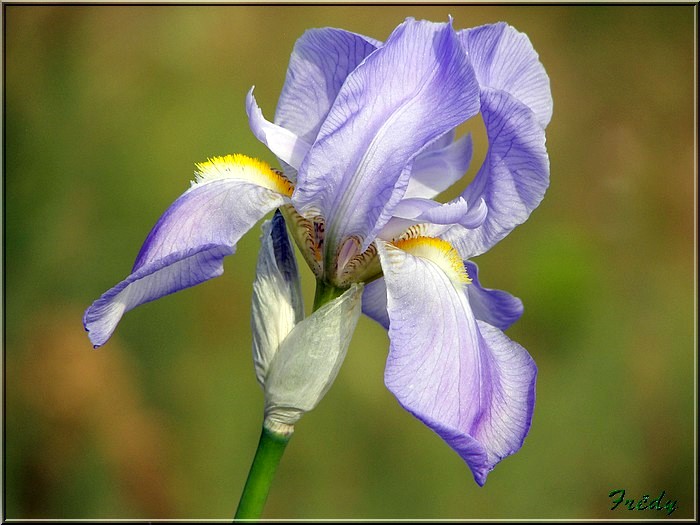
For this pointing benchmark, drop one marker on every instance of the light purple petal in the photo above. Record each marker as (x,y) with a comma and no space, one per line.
(495,307)
(505,60)
(287,146)
(514,177)
(186,247)
(454,212)
(374,302)
(464,379)
(516,105)
(409,92)
(438,168)
(320,62)
(396,227)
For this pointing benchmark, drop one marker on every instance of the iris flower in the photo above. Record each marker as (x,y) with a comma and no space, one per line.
(365,134)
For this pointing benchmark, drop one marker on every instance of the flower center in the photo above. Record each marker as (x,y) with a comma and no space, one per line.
(346,267)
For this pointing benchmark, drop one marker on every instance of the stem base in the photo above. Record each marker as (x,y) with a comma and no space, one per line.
(270,449)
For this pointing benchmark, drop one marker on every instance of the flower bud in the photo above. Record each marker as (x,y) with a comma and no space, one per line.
(296,361)
(277,302)
(310,357)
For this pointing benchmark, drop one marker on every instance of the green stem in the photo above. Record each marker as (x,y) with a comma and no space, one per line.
(325,293)
(257,486)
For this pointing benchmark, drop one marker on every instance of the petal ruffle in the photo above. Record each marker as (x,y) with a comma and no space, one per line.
(464,379)
(320,62)
(514,177)
(411,91)
(495,307)
(504,60)
(516,104)
(186,247)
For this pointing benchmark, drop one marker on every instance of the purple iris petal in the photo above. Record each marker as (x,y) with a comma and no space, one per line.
(454,212)
(514,177)
(374,302)
(516,105)
(495,307)
(409,92)
(286,145)
(320,62)
(439,167)
(463,378)
(186,247)
(504,59)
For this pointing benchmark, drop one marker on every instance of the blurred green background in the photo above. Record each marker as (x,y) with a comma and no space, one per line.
(107,109)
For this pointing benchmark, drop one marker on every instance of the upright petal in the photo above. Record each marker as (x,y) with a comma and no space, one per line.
(286,145)
(320,62)
(409,92)
(277,301)
(514,177)
(504,60)
(462,378)
(457,211)
(188,243)
(516,104)
(438,168)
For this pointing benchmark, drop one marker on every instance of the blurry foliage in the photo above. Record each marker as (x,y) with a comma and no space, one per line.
(107,110)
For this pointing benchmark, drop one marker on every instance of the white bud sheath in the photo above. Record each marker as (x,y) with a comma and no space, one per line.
(308,360)
(277,303)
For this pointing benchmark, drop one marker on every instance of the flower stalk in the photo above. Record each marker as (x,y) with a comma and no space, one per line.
(257,487)
(325,293)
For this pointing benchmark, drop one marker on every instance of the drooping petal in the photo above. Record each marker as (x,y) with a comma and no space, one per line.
(320,62)
(462,378)
(374,302)
(504,60)
(286,145)
(309,359)
(409,92)
(188,243)
(277,300)
(436,169)
(495,307)
(514,177)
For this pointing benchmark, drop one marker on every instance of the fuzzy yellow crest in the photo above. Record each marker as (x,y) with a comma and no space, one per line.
(439,252)
(246,168)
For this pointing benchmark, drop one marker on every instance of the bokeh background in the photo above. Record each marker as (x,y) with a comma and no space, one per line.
(107,108)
